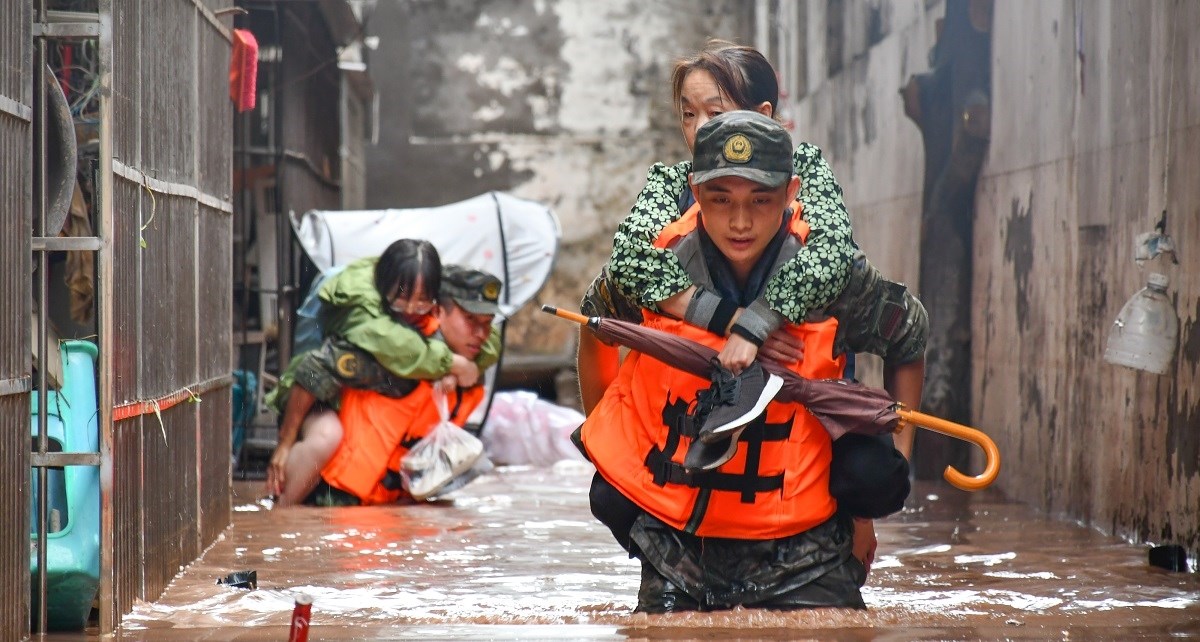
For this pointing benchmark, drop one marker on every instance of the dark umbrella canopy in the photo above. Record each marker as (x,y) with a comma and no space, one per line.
(841,406)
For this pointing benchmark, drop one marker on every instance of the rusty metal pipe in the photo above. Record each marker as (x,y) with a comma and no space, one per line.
(40,113)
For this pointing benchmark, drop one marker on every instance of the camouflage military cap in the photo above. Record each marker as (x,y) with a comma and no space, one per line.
(475,291)
(743,143)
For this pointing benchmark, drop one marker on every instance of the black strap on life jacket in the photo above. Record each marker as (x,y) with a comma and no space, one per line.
(748,482)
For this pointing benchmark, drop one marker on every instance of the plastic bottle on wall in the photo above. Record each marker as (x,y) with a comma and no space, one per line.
(1146,331)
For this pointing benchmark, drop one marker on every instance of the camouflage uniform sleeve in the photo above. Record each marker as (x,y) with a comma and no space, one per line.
(817,274)
(318,372)
(636,265)
(879,317)
(910,344)
(276,399)
(339,364)
(604,298)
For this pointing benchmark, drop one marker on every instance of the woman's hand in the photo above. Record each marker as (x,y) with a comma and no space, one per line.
(465,371)
(737,354)
(783,348)
(275,471)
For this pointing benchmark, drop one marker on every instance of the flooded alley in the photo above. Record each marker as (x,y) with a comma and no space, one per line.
(306,241)
(517,555)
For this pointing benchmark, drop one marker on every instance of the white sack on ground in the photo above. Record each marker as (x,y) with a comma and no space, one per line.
(522,429)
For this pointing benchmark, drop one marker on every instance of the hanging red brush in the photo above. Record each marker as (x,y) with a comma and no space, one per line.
(243,70)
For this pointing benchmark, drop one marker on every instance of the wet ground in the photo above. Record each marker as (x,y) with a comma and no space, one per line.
(517,556)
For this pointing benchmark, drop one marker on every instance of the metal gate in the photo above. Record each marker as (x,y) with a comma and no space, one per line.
(16,117)
(157,126)
(172,275)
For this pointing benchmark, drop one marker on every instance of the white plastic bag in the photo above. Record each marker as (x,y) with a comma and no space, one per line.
(482,466)
(445,453)
(522,429)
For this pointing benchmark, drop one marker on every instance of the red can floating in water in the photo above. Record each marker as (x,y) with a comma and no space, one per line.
(300,617)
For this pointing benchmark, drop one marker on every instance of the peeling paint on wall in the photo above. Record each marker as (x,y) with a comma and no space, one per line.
(1183,407)
(868,121)
(484,62)
(1082,439)
(1092,305)
(877,28)
(565,102)
(1190,333)
(1018,251)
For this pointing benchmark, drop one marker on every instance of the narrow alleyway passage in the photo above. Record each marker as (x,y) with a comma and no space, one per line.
(517,555)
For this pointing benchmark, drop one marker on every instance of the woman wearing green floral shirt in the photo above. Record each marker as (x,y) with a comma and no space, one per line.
(829,276)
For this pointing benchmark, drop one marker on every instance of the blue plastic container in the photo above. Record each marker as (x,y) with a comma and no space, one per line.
(73,492)
(245,402)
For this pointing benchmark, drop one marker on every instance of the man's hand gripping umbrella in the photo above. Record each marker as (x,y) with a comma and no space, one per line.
(841,406)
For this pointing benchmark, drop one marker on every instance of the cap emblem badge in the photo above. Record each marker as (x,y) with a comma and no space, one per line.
(491,291)
(738,149)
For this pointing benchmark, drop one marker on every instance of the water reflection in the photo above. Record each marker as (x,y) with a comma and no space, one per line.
(517,555)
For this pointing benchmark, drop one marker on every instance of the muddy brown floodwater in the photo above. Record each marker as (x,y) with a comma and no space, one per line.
(517,555)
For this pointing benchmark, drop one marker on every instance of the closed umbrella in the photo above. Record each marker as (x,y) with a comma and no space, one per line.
(841,406)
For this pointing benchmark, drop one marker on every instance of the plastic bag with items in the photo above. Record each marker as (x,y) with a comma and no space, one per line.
(522,429)
(482,466)
(438,458)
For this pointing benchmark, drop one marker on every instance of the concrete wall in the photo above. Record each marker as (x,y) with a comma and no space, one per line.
(565,102)
(1094,127)
(857,118)
(1095,114)
(856,56)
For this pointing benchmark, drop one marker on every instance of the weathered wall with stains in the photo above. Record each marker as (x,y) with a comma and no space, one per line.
(854,58)
(1094,127)
(1094,132)
(565,102)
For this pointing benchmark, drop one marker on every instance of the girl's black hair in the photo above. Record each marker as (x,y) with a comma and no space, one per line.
(743,73)
(402,264)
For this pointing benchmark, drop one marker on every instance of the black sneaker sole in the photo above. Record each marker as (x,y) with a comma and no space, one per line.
(707,456)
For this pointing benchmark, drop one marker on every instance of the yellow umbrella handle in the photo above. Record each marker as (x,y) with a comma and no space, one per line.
(957,479)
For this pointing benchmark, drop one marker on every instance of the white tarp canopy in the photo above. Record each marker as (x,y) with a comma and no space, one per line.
(510,237)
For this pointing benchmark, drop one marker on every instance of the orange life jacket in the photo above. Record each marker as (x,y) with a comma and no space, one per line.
(377,431)
(776,485)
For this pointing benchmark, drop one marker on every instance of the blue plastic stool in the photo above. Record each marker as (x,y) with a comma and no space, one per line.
(245,402)
(73,493)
